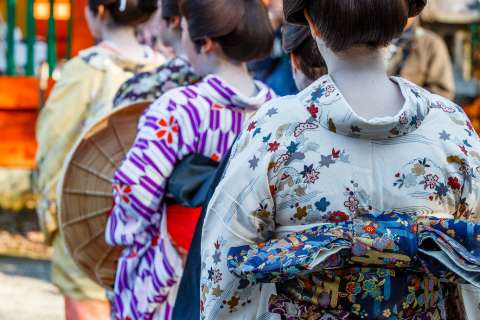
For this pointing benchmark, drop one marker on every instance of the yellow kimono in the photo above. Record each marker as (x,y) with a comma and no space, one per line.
(83,93)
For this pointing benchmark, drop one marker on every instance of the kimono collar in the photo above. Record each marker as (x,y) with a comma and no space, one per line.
(107,55)
(330,109)
(223,93)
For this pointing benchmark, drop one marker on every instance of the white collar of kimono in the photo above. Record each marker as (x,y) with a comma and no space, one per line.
(335,114)
(106,55)
(227,95)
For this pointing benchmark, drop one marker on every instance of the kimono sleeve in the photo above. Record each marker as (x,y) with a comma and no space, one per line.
(469,167)
(139,184)
(60,120)
(58,126)
(241,212)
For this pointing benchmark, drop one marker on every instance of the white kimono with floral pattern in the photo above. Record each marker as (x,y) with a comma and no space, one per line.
(303,159)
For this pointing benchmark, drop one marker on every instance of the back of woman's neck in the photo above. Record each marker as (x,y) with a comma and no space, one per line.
(363,81)
(238,77)
(125,40)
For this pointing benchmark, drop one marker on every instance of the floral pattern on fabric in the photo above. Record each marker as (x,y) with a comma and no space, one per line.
(148,86)
(389,239)
(360,293)
(203,118)
(308,161)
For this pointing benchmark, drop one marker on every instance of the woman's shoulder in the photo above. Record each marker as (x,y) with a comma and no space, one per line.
(180,102)
(271,125)
(180,95)
(281,109)
(151,85)
(279,113)
(446,109)
(77,70)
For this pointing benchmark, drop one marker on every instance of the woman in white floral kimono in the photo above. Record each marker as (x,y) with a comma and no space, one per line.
(353,199)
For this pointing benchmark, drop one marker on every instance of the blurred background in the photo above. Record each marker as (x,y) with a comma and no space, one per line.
(37,36)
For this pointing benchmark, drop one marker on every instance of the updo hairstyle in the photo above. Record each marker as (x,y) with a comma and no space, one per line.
(126,12)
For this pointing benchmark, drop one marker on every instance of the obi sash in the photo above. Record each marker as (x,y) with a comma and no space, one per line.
(446,248)
(181,224)
(187,190)
(374,266)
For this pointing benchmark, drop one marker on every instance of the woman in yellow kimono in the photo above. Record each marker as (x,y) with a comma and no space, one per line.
(84,93)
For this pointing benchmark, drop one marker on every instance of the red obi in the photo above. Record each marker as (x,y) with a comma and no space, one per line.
(181,224)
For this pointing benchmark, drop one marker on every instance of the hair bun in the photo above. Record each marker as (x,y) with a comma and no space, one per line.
(148,6)
(415,7)
(126,12)
(170,8)
(293,11)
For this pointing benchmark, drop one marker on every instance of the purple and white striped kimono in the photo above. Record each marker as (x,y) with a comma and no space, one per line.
(203,118)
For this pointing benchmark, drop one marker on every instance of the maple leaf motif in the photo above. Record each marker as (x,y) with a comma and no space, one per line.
(272,147)
(233,302)
(301,213)
(313,110)
(252,126)
(335,153)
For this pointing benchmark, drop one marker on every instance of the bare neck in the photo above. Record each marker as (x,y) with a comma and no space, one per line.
(177,45)
(237,76)
(125,39)
(360,75)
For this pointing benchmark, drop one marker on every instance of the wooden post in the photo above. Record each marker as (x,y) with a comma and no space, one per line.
(11,66)
(70,31)
(51,40)
(31,37)
(81,37)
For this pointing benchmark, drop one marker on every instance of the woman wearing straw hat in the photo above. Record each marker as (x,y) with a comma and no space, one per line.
(358,198)
(219,37)
(84,93)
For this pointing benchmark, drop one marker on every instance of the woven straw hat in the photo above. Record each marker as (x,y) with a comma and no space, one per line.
(85,191)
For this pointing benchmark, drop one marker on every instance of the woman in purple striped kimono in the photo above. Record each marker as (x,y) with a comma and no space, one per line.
(219,37)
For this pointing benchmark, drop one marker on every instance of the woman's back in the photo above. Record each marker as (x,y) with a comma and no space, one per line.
(423,160)
(309,160)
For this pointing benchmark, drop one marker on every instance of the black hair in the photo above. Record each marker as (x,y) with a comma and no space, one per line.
(297,40)
(135,11)
(170,9)
(344,24)
(241,27)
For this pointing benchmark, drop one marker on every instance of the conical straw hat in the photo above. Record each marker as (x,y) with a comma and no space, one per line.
(85,191)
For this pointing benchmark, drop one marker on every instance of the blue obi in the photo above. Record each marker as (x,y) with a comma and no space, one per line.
(401,258)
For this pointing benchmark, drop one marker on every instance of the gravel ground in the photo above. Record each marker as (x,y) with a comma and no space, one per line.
(25,291)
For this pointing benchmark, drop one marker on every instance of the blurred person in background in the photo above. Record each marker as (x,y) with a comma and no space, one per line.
(165,36)
(421,56)
(307,62)
(162,30)
(84,93)
(219,37)
(275,70)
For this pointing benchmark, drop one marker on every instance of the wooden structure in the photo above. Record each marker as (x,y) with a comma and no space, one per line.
(20,96)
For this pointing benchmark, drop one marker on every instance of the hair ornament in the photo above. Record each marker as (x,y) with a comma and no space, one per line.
(123,5)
